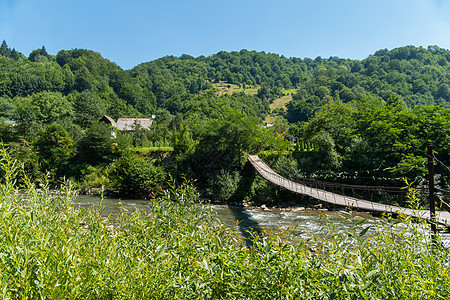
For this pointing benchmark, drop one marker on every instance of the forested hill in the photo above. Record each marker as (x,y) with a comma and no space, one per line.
(89,85)
(418,75)
(354,123)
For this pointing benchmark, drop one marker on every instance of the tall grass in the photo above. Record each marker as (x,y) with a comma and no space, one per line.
(51,250)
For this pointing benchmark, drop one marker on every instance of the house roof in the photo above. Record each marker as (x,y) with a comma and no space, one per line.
(10,122)
(108,120)
(129,124)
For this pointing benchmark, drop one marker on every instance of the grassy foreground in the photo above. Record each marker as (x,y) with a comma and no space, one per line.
(51,250)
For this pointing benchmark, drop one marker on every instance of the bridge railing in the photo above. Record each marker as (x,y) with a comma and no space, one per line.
(319,190)
(330,197)
(382,194)
(348,193)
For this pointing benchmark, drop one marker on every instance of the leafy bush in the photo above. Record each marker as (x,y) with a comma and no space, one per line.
(96,146)
(224,185)
(131,175)
(93,178)
(52,250)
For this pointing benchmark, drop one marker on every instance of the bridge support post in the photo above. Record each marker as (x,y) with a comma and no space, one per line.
(431,192)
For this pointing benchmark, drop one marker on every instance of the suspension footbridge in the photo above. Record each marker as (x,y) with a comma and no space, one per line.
(442,217)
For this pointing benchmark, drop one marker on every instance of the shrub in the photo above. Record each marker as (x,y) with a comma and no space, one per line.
(223,186)
(131,175)
(93,178)
(52,250)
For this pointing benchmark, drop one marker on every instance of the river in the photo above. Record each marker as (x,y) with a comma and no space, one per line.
(300,221)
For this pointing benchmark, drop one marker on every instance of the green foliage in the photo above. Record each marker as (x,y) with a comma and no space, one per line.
(87,108)
(93,178)
(5,51)
(286,165)
(381,137)
(41,109)
(224,186)
(209,105)
(182,84)
(24,153)
(182,141)
(102,84)
(225,142)
(139,136)
(326,156)
(7,108)
(134,176)
(23,77)
(55,149)
(375,139)
(39,55)
(122,144)
(96,146)
(220,154)
(8,132)
(177,250)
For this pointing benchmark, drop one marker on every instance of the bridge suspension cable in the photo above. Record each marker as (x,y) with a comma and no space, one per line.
(442,217)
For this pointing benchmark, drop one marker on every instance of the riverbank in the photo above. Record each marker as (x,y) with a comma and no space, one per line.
(288,206)
(177,249)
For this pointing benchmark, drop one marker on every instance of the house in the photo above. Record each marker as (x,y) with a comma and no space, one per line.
(131,124)
(108,120)
(10,122)
(128,125)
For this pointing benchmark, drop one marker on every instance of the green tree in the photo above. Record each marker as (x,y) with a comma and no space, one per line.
(233,134)
(140,134)
(55,149)
(225,141)
(326,156)
(134,176)
(87,107)
(39,55)
(24,152)
(224,185)
(96,146)
(4,49)
(7,108)
(182,141)
(48,107)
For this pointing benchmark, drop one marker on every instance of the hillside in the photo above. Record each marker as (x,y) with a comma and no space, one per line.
(418,75)
(367,121)
(202,86)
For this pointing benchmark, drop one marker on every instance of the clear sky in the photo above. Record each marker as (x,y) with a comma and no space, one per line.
(136,31)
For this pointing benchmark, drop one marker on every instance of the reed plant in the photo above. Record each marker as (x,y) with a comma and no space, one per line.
(52,250)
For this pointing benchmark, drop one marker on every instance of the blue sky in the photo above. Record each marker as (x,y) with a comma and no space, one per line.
(137,31)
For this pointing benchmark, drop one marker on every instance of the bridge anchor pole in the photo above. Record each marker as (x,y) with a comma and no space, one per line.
(431,192)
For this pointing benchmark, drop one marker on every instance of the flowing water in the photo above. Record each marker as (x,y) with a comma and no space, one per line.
(304,222)
(243,219)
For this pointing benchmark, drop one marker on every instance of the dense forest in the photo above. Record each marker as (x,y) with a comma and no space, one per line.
(362,122)
(366,120)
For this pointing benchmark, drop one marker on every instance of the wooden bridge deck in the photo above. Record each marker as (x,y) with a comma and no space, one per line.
(265,171)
